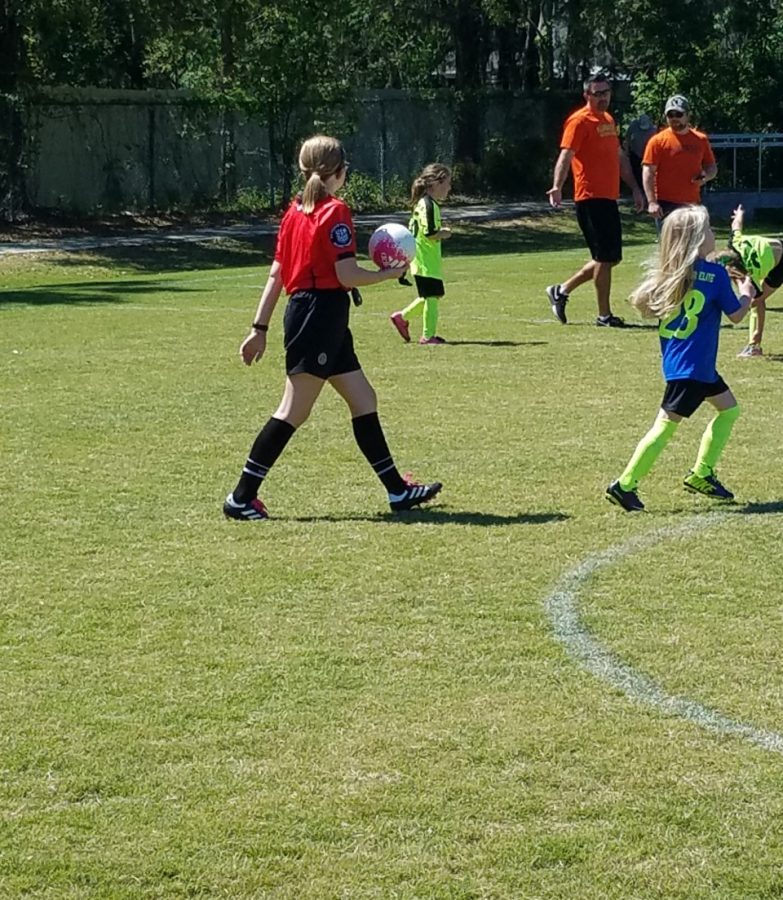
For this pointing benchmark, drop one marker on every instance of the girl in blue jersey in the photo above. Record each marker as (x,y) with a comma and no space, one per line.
(687,295)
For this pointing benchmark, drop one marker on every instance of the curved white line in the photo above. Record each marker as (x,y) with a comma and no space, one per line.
(562,607)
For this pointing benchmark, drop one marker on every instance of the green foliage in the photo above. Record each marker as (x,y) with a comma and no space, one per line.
(363,193)
(291,66)
(515,168)
(509,168)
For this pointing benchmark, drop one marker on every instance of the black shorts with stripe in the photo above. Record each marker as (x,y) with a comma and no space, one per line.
(317,338)
(685,395)
(599,220)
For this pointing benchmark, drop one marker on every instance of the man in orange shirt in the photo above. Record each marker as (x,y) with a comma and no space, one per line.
(677,162)
(591,148)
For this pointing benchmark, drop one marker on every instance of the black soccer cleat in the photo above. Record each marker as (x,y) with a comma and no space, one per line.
(414,495)
(707,485)
(629,500)
(253,511)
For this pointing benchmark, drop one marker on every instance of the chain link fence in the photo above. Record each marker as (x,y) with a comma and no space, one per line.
(87,151)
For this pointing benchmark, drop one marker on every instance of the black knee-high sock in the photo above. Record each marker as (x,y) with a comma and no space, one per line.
(369,436)
(267,447)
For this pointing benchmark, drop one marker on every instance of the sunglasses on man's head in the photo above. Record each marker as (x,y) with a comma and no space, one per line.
(602,93)
(674,114)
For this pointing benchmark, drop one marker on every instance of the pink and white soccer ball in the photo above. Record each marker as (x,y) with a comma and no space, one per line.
(392,246)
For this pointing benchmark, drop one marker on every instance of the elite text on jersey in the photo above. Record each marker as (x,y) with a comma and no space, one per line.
(689,336)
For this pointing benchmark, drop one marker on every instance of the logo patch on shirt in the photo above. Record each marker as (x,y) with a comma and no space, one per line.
(340,235)
(322,358)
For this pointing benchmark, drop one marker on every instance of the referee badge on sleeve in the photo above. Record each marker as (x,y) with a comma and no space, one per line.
(340,235)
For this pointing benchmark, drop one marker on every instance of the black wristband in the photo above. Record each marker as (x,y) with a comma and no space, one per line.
(257,326)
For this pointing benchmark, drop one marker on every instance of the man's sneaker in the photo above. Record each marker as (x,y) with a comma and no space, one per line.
(252,511)
(414,494)
(629,500)
(401,325)
(750,350)
(610,321)
(707,485)
(558,300)
(432,340)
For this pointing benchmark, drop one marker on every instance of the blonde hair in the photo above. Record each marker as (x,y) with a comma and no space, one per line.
(671,273)
(320,157)
(434,173)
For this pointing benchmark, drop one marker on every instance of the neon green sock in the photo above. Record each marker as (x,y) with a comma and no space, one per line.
(713,441)
(412,308)
(753,321)
(647,451)
(430,317)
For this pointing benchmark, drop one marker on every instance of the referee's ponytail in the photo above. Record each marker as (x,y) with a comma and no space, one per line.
(320,157)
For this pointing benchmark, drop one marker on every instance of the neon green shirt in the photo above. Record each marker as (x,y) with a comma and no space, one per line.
(757,255)
(425,221)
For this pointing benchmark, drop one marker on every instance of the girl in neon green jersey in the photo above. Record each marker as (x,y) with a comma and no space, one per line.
(760,258)
(429,190)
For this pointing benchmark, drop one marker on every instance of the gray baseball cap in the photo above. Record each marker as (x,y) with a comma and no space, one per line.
(677,103)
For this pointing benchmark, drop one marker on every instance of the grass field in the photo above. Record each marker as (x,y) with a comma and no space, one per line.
(339,703)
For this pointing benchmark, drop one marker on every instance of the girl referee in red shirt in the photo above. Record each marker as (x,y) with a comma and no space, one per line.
(315,262)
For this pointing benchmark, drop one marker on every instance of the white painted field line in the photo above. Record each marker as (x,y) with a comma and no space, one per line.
(562,607)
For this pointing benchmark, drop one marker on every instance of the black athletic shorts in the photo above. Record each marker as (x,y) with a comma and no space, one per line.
(775,277)
(668,206)
(685,395)
(317,339)
(599,220)
(429,287)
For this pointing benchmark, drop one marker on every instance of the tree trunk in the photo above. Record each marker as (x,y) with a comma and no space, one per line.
(228,150)
(531,58)
(13,69)
(469,49)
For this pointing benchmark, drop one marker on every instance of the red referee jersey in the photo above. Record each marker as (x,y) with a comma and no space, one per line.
(309,246)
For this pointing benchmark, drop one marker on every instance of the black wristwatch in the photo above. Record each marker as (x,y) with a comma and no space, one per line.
(257,326)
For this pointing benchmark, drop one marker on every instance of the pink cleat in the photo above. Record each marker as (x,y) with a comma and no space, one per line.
(401,325)
(432,340)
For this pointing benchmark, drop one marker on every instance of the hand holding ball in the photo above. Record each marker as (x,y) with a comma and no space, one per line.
(392,246)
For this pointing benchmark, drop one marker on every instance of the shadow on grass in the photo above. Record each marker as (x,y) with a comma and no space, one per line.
(533,234)
(629,326)
(172,256)
(755,509)
(497,343)
(87,293)
(546,232)
(439,516)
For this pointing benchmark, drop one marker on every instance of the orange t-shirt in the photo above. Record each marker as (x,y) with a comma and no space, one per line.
(677,158)
(596,161)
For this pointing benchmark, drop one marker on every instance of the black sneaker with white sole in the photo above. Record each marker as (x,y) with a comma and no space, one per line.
(557,300)
(253,511)
(413,495)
